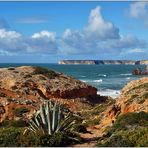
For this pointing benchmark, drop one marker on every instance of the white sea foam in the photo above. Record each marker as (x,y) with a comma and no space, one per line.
(96,81)
(100,80)
(128,78)
(83,80)
(102,75)
(109,92)
(126,74)
(83,76)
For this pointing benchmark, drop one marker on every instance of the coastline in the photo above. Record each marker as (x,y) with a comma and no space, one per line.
(110,93)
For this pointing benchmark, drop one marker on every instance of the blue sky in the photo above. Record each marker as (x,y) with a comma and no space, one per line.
(51,31)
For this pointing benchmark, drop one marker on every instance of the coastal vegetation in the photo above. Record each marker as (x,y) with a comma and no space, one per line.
(130,129)
(51,125)
(41,111)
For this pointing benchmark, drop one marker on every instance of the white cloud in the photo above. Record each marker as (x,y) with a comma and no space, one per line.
(9,34)
(98,37)
(41,42)
(44,34)
(139,10)
(10,41)
(99,27)
(136,50)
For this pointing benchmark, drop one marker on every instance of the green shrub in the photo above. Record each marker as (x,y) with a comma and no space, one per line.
(81,128)
(9,137)
(138,137)
(49,73)
(92,122)
(129,120)
(20,111)
(29,140)
(57,139)
(116,141)
(13,123)
(130,129)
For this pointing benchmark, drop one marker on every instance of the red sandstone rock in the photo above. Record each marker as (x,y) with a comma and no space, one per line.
(28,87)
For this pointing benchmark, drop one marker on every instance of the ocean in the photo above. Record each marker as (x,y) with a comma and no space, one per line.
(108,79)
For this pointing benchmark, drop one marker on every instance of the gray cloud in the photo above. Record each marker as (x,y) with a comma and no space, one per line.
(139,10)
(12,42)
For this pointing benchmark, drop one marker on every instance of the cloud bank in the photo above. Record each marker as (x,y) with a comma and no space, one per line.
(139,10)
(97,37)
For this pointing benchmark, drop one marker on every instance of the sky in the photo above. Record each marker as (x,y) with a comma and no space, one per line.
(46,32)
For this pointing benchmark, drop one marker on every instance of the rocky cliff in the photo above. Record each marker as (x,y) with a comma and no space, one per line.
(23,89)
(106,62)
(133,98)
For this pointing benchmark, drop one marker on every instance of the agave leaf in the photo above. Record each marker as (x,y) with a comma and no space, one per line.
(48,118)
(54,116)
(42,113)
(64,122)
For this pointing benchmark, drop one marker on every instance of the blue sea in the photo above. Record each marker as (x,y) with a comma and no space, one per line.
(108,79)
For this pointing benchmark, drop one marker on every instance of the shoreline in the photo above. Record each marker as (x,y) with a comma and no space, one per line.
(109,93)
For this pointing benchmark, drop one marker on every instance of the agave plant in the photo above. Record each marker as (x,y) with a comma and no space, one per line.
(51,118)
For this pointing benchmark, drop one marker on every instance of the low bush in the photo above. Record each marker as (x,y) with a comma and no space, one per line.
(57,139)
(130,120)
(115,141)
(20,111)
(13,123)
(81,128)
(92,122)
(49,73)
(14,137)
(130,138)
(130,129)
(9,137)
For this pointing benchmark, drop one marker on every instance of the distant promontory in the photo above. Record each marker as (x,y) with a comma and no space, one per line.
(104,62)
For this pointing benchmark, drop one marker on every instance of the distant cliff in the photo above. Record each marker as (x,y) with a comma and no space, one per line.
(106,62)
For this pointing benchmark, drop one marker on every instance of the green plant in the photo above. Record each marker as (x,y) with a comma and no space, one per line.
(20,111)
(44,71)
(13,123)
(9,137)
(51,118)
(115,141)
(29,140)
(57,139)
(128,130)
(129,120)
(81,128)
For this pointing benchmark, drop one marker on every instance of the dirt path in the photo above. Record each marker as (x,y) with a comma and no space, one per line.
(90,138)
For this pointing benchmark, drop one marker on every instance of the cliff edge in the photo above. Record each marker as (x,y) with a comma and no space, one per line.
(23,89)
(133,98)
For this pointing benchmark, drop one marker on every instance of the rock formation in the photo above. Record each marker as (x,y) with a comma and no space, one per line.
(133,98)
(104,62)
(25,88)
(138,71)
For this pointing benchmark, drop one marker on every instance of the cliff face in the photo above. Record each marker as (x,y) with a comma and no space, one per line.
(27,87)
(106,62)
(133,98)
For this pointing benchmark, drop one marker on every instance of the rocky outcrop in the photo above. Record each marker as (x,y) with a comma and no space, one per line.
(133,98)
(25,88)
(105,62)
(138,71)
